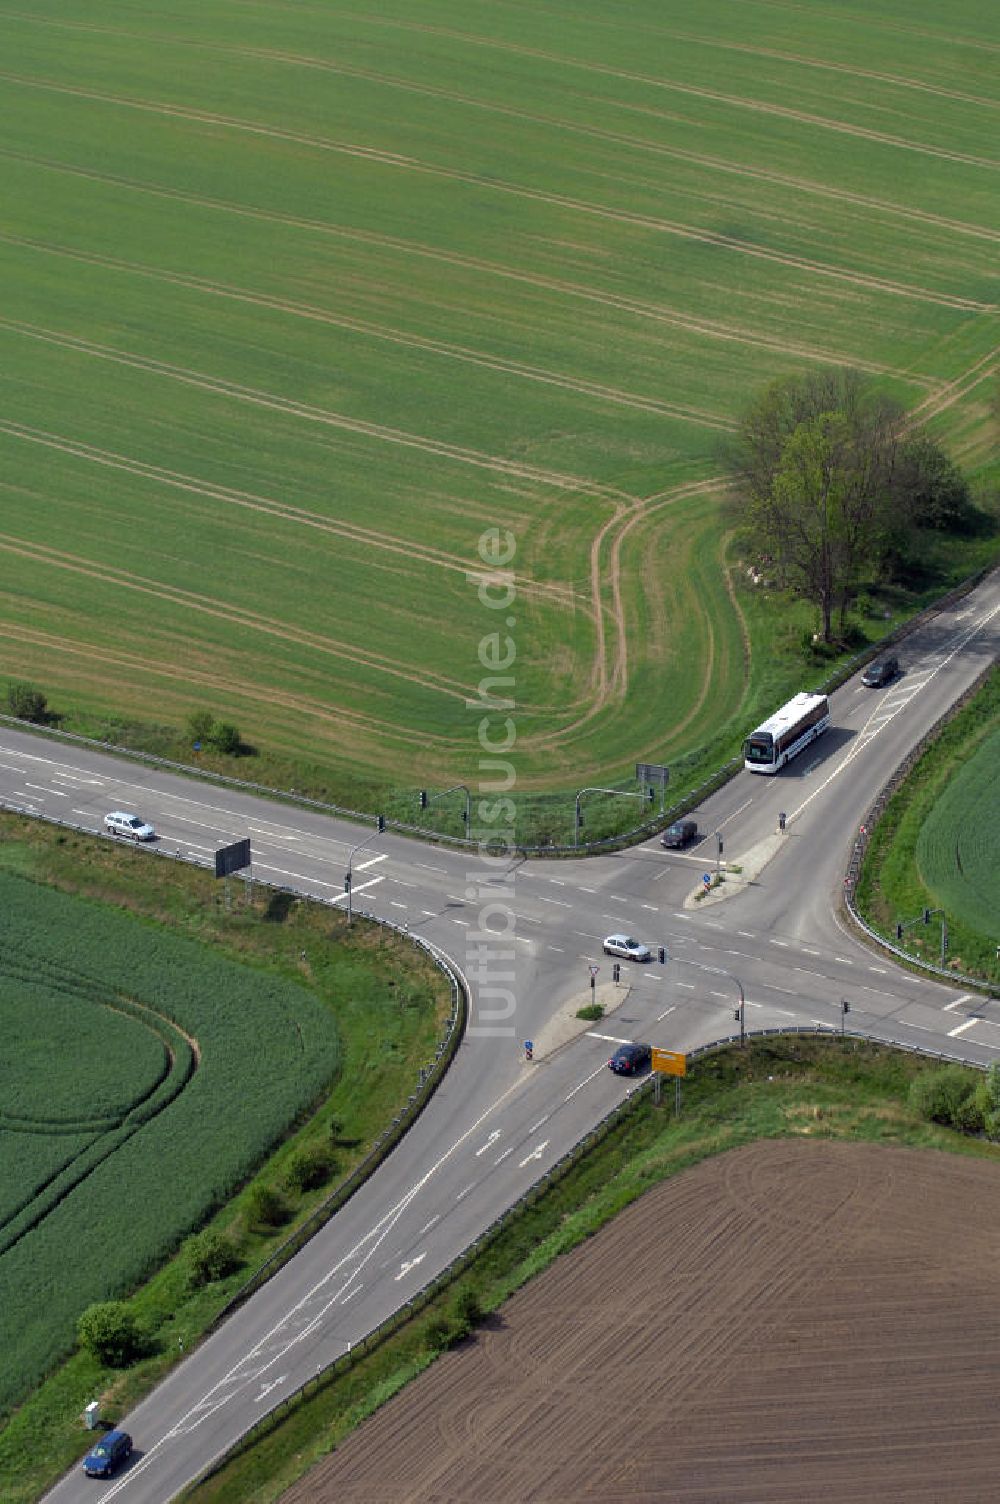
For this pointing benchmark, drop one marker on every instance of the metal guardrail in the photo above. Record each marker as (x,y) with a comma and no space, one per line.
(462,1261)
(863,839)
(606,844)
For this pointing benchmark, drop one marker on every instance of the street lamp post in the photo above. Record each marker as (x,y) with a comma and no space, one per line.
(646,794)
(379,830)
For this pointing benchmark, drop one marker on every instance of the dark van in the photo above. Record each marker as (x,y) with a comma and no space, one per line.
(108,1454)
(881,671)
(681,833)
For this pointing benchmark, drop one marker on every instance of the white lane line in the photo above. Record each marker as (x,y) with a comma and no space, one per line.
(501,1157)
(880,969)
(779,942)
(744,934)
(689,985)
(341,897)
(466,922)
(790,990)
(468,1188)
(557,948)
(560,903)
(651,907)
(608,1038)
(535,1126)
(720,994)
(962,1027)
(807,952)
(586,890)
(393,904)
(587,1079)
(663,1015)
(428,1225)
(781,1012)
(844,960)
(957,1003)
(372,862)
(557,882)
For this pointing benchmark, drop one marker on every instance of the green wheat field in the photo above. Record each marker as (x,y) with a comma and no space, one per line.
(299,299)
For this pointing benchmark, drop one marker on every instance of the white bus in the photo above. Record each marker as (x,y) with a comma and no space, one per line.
(790,729)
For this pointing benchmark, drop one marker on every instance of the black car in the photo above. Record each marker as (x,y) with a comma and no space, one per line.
(630,1059)
(681,833)
(881,671)
(108,1454)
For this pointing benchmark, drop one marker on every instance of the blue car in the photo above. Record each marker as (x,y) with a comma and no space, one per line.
(114,1448)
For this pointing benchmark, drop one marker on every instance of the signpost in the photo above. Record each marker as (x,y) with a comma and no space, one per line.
(669,1063)
(706,878)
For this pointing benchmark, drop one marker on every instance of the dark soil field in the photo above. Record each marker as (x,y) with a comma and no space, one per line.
(791,1323)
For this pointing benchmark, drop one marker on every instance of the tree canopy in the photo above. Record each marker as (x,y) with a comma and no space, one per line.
(832,482)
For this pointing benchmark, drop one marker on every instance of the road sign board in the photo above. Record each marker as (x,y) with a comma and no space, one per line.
(706,878)
(232,858)
(651,772)
(670,1062)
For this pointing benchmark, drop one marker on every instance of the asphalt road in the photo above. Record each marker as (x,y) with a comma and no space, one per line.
(496,1123)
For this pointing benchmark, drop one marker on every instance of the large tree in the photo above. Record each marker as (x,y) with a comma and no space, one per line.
(828,481)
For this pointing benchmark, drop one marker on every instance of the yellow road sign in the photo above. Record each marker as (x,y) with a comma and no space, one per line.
(669,1062)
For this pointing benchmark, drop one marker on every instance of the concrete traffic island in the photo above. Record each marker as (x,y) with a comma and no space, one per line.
(733,883)
(564,1024)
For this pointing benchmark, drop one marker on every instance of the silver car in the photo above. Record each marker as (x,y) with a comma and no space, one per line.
(120,823)
(627,948)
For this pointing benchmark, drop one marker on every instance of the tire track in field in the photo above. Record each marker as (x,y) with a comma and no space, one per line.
(939,402)
(242,616)
(315,314)
(715,96)
(493,184)
(135,667)
(716,164)
(701,327)
(827,66)
(559,594)
(941,38)
(271,401)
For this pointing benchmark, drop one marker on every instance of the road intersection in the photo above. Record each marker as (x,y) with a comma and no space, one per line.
(525,934)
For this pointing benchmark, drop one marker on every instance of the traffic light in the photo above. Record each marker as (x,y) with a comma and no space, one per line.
(651,793)
(347,882)
(381,823)
(423,798)
(899,932)
(616,972)
(661,955)
(927,916)
(718,837)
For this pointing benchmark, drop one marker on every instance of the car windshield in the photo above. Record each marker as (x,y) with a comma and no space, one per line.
(676,830)
(100,1450)
(632,944)
(134,821)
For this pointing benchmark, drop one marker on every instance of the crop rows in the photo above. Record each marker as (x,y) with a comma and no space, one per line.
(197,1065)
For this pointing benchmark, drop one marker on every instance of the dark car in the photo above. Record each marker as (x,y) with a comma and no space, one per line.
(630,1059)
(681,833)
(108,1454)
(881,671)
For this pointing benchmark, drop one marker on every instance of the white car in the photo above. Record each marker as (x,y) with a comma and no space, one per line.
(121,824)
(626,947)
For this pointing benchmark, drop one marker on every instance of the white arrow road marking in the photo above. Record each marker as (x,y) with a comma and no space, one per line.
(407,1265)
(491,1140)
(535,1154)
(503,1156)
(266,1388)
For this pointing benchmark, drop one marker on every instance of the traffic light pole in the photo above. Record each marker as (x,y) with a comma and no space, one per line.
(380,830)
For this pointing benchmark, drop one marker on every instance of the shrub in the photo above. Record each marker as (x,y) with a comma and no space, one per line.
(267,1207)
(225,737)
(27,703)
(200,725)
(940,1095)
(591,1011)
(309,1167)
(210,1256)
(109,1333)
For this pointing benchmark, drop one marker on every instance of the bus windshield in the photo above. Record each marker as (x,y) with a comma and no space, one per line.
(759,747)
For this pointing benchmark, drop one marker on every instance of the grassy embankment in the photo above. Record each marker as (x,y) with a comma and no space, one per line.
(383,1004)
(936,846)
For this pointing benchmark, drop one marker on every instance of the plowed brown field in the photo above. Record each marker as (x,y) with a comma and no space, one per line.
(791,1323)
